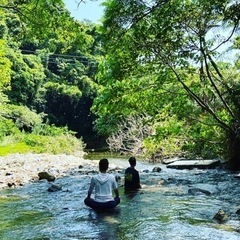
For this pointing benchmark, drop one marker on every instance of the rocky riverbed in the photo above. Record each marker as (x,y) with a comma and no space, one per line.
(20,169)
(184,204)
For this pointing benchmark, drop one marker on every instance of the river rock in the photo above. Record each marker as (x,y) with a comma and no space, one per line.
(8,174)
(171,160)
(55,187)
(221,216)
(191,164)
(22,169)
(205,188)
(118,178)
(11,184)
(237,176)
(47,176)
(195,191)
(156,169)
(238,212)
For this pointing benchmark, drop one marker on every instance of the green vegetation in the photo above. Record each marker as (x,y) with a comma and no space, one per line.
(165,60)
(48,63)
(152,80)
(43,139)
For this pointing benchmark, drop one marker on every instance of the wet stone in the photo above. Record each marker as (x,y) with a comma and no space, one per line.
(46,175)
(54,188)
(191,164)
(156,169)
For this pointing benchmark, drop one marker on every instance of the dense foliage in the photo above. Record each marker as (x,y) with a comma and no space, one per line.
(48,63)
(168,60)
(158,78)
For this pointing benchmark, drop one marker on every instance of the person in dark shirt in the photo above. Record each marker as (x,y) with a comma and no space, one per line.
(132,179)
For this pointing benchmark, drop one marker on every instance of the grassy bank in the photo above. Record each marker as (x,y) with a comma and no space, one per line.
(33,143)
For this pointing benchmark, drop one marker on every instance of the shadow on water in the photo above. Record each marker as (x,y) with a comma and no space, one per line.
(163,209)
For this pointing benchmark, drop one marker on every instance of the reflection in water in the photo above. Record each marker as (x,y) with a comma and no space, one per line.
(162,209)
(105,223)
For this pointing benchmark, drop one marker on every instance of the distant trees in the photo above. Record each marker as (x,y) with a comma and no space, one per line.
(49,62)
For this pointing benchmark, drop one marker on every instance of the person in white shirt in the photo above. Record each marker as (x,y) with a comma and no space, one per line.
(104,184)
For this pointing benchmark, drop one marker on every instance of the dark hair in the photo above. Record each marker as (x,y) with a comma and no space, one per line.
(103,165)
(132,161)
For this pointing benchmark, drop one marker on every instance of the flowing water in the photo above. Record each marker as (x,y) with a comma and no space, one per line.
(166,208)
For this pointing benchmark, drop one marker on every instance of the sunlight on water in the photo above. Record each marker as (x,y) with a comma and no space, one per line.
(163,209)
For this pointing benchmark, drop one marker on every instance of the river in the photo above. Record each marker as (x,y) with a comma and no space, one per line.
(167,207)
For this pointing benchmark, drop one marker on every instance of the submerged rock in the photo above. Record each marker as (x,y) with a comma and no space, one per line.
(156,169)
(221,216)
(55,188)
(238,212)
(195,191)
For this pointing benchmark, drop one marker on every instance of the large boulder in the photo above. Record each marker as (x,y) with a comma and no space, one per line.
(191,164)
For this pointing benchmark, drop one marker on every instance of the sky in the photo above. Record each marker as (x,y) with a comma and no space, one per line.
(90,10)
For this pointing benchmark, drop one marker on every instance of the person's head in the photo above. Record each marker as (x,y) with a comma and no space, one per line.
(103,165)
(132,161)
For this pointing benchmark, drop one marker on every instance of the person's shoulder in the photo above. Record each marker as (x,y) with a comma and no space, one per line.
(111,176)
(131,169)
(95,176)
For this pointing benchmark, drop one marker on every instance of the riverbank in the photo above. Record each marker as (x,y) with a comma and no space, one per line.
(20,169)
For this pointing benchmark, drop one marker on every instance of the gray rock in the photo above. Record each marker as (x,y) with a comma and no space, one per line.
(171,160)
(238,212)
(156,169)
(221,216)
(191,164)
(195,191)
(55,187)
(118,178)
(47,176)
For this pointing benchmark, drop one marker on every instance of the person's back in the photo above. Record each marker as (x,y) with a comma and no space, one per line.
(103,184)
(132,179)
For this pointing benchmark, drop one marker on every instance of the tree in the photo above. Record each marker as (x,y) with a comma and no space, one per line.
(39,16)
(180,42)
(5,64)
(54,60)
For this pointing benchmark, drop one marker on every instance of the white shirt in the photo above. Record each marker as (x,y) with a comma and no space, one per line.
(104,184)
